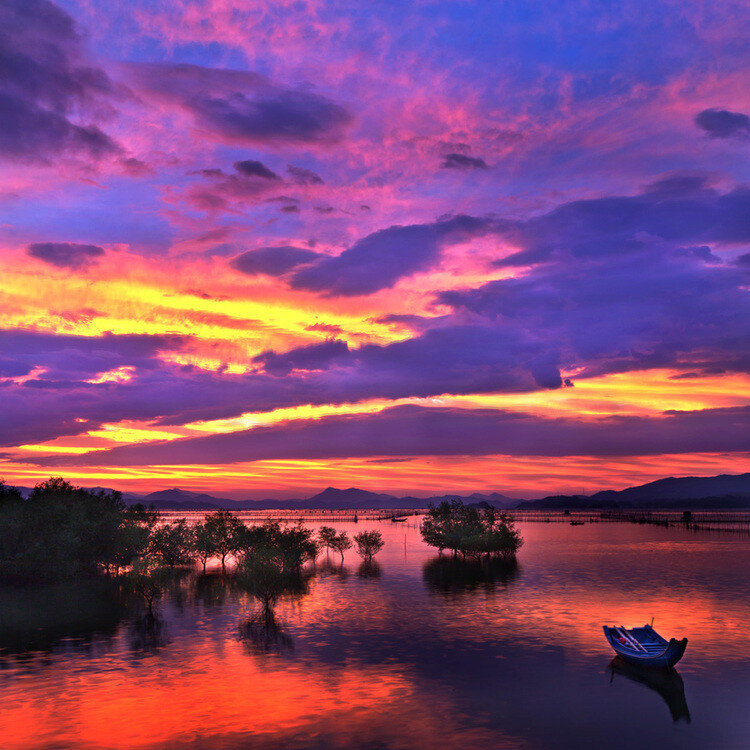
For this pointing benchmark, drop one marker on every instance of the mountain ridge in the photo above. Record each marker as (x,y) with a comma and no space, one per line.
(721,491)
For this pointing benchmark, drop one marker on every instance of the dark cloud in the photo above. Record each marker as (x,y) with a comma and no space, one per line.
(379,260)
(243,106)
(250,183)
(674,211)
(304,176)
(414,430)
(251,168)
(273,261)
(463,162)
(615,289)
(721,123)
(615,286)
(293,209)
(135,167)
(65,254)
(312,357)
(46,87)
(73,358)
(461,359)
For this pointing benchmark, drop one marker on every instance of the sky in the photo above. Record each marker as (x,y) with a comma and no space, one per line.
(260,248)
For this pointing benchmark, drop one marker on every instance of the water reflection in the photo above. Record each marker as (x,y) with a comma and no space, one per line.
(148,633)
(328,567)
(419,657)
(263,633)
(38,618)
(456,575)
(369,569)
(213,589)
(666,682)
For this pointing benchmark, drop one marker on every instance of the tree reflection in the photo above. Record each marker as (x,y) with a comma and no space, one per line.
(148,633)
(453,575)
(38,618)
(267,579)
(212,589)
(328,567)
(369,569)
(263,633)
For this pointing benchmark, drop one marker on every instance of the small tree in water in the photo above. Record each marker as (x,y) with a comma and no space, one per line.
(369,543)
(226,531)
(327,537)
(146,579)
(173,542)
(470,531)
(205,544)
(341,543)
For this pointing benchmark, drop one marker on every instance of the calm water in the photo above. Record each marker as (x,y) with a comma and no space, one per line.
(412,655)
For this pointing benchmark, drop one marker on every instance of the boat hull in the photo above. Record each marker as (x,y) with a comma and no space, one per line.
(672,652)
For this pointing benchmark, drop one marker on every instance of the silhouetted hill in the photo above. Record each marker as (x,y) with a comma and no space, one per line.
(176,499)
(682,488)
(723,491)
(564,502)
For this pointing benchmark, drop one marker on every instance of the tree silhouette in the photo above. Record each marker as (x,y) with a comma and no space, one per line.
(226,532)
(460,528)
(369,543)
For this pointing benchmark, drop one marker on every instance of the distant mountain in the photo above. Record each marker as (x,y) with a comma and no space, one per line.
(330,498)
(723,491)
(682,488)
(176,499)
(350,498)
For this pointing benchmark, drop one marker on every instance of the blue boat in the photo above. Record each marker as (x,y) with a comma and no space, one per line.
(645,646)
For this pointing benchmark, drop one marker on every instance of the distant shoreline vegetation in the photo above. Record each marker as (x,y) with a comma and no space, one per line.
(470,531)
(63,532)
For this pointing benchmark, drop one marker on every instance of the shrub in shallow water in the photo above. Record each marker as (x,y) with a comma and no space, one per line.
(470,531)
(62,531)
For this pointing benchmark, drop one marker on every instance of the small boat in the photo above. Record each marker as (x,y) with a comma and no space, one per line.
(645,646)
(577,523)
(398,520)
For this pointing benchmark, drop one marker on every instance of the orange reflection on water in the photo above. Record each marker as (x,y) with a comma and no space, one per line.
(217,690)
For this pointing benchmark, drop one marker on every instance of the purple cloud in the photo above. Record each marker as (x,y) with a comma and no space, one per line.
(65,254)
(463,162)
(69,358)
(721,123)
(303,176)
(273,261)
(251,168)
(312,357)
(379,260)
(45,86)
(419,431)
(243,106)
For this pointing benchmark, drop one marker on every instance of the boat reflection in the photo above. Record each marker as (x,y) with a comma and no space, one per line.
(451,576)
(667,682)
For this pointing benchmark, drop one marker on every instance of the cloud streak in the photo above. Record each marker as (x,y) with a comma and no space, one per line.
(419,431)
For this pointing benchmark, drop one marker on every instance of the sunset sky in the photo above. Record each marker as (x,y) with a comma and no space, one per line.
(258,248)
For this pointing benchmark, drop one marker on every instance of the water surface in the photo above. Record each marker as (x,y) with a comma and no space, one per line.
(412,653)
